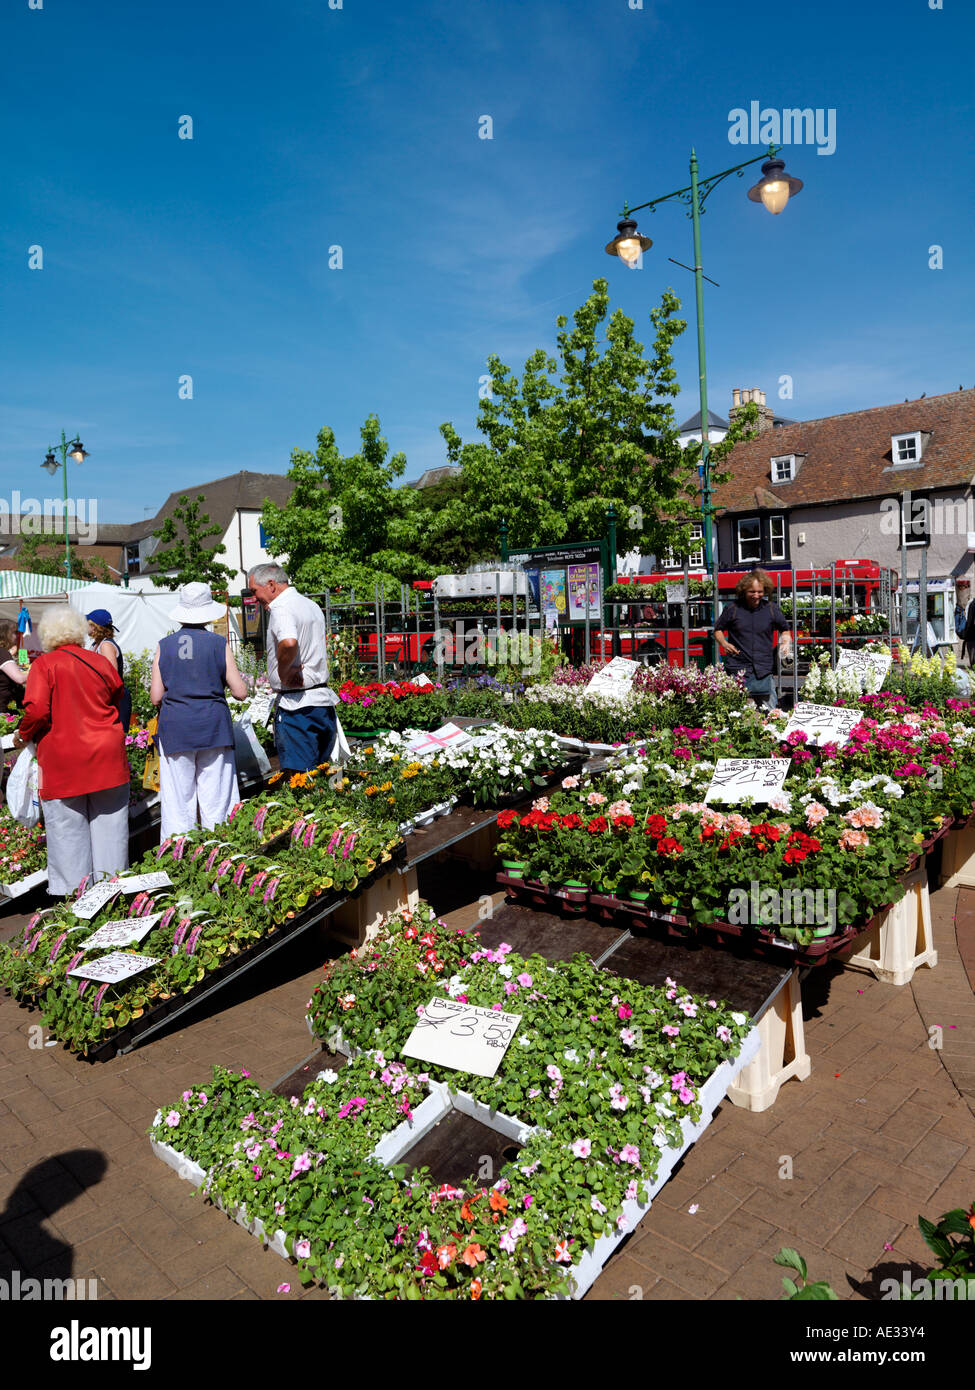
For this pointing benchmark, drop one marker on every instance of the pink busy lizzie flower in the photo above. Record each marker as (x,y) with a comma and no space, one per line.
(631,1191)
(284,1288)
(597,1205)
(533,1094)
(278,1208)
(582,1148)
(670,1030)
(301,1165)
(302,1249)
(693,1209)
(678,1079)
(525,980)
(627,1036)
(686,1095)
(688,1008)
(629,1153)
(187,1095)
(253,1150)
(510,987)
(172,1119)
(528,1199)
(712,1003)
(724,1033)
(553,1073)
(621,1223)
(496,1007)
(624,1012)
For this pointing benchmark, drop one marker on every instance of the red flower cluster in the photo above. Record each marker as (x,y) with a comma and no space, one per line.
(668,845)
(351,693)
(798,846)
(656,826)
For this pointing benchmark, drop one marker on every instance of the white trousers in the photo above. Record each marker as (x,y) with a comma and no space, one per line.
(85,835)
(207,776)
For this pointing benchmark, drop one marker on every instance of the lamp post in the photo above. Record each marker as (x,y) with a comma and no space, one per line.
(774,190)
(79,453)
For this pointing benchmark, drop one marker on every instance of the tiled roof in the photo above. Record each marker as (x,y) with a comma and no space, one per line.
(715,422)
(844,457)
(223,496)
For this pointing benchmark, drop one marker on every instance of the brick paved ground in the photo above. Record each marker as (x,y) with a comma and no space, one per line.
(882,1131)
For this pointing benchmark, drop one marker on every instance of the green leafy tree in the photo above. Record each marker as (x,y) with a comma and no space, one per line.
(591,427)
(39,554)
(345,524)
(182,547)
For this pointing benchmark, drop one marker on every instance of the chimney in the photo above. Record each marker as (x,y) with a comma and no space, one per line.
(751,396)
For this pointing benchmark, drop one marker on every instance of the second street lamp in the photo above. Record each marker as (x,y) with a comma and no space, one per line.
(79,453)
(774,190)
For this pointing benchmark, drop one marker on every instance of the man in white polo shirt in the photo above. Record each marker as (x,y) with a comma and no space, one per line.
(304,715)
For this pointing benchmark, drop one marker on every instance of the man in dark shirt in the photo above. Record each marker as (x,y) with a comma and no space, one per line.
(744,633)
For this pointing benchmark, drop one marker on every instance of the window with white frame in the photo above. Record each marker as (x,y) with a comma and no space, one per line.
(784,468)
(915,521)
(776,537)
(905,449)
(749,531)
(695,558)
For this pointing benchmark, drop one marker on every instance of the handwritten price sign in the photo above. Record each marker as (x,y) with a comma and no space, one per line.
(615,678)
(734,779)
(117,966)
(872,667)
(121,933)
(260,707)
(461,1036)
(822,723)
(89,903)
(145,883)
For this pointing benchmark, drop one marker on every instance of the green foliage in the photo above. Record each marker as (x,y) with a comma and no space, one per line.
(39,554)
(956,1257)
(342,524)
(592,428)
(182,548)
(802,1290)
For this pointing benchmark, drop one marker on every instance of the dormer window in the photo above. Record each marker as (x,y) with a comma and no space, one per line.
(784,468)
(905,449)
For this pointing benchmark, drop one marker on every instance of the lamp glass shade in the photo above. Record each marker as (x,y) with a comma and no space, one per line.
(78,451)
(51,464)
(774,194)
(629,249)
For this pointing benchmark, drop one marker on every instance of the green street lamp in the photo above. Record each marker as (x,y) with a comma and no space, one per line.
(79,453)
(773,190)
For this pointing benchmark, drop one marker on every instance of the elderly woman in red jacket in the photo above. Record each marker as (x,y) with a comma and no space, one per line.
(71,714)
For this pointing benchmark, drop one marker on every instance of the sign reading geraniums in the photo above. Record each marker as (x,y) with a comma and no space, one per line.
(822,723)
(866,663)
(461,1036)
(735,779)
(117,966)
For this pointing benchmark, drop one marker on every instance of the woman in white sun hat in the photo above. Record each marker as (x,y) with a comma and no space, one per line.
(191,670)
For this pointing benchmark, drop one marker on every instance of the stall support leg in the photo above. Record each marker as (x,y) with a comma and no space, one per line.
(358,920)
(782,1054)
(902,940)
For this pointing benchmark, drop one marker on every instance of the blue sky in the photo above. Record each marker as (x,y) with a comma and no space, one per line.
(358,127)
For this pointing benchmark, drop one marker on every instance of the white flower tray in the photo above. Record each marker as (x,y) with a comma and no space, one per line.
(582,1276)
(442,1099)
(24,885)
